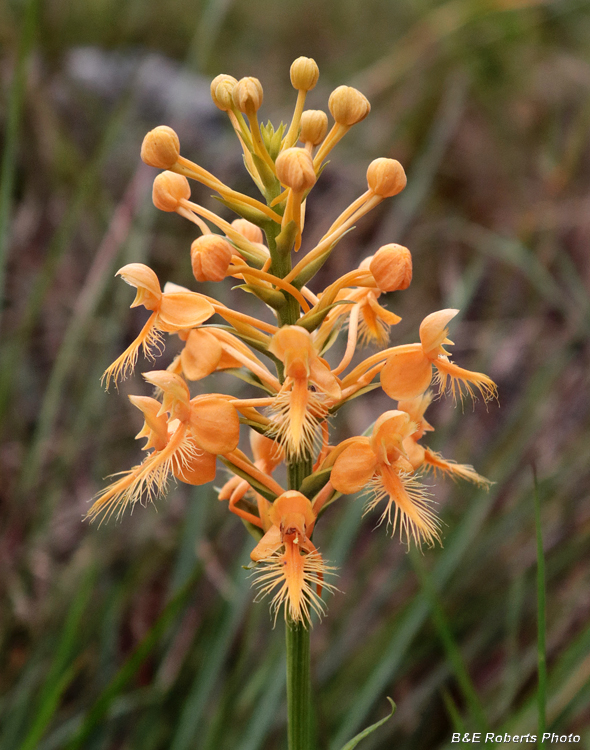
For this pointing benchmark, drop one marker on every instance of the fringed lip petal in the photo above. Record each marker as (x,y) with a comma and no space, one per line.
(406,374)
(462,380)
(179,310)
(413,515)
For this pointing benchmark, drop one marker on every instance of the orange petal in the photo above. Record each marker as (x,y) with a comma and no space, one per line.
(266,450)
(268,545)
(406,374)
(199,469)
(175,390)
(354,468)
(388,433)
(215,424)
(290,340)
(414,451)
(321,376)
(155,428)
(180,310)
(391,319)
(433,329)
(201,354)
(142,278)
(289,509)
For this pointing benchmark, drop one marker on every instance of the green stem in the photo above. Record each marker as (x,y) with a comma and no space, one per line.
(298,686)
(299,714)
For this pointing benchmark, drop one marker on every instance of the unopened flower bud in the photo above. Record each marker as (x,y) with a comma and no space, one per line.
(222,87)
(314,126)
(391,267)
(247,95)
(169,188)
(304,73)
(348,106)
(210,257)
(295,169)
(248,230)
(386,177)
(160,148)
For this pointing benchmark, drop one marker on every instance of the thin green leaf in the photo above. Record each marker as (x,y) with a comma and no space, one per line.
(369,730)
(311,320)
(312,484)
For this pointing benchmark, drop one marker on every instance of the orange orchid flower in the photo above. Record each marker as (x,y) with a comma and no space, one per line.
(380,463)
(185,443)
(170,312)
(422,457)
(289,565)
(408,370)
(374,320)
(297,411)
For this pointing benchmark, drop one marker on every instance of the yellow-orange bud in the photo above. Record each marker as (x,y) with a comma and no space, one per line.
(210,257)
(169,188)
(391,267)
(295,169)
(304,73)
(247,95)
(386,177)
(348,106)
(314,126)
(248,230)
(160,148)
(222,87)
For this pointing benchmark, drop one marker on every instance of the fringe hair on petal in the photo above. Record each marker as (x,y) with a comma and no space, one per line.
(270,579)
(146,481)
(411,505)
(149,339)
(461,382)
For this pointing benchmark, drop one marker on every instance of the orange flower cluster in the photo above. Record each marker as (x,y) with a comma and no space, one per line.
(299,389)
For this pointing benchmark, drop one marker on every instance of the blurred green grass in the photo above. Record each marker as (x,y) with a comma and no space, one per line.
(141,634)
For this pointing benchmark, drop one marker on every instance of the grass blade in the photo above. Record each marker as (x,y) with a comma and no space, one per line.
(133,663)
(541,618)
(450,646)
(369,730)
(15,102)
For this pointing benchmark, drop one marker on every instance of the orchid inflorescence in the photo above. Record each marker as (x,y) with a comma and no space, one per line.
(289,420)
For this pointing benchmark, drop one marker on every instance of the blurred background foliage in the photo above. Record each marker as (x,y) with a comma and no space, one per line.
(142,634)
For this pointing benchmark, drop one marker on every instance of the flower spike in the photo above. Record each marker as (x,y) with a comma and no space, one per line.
(284,354)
